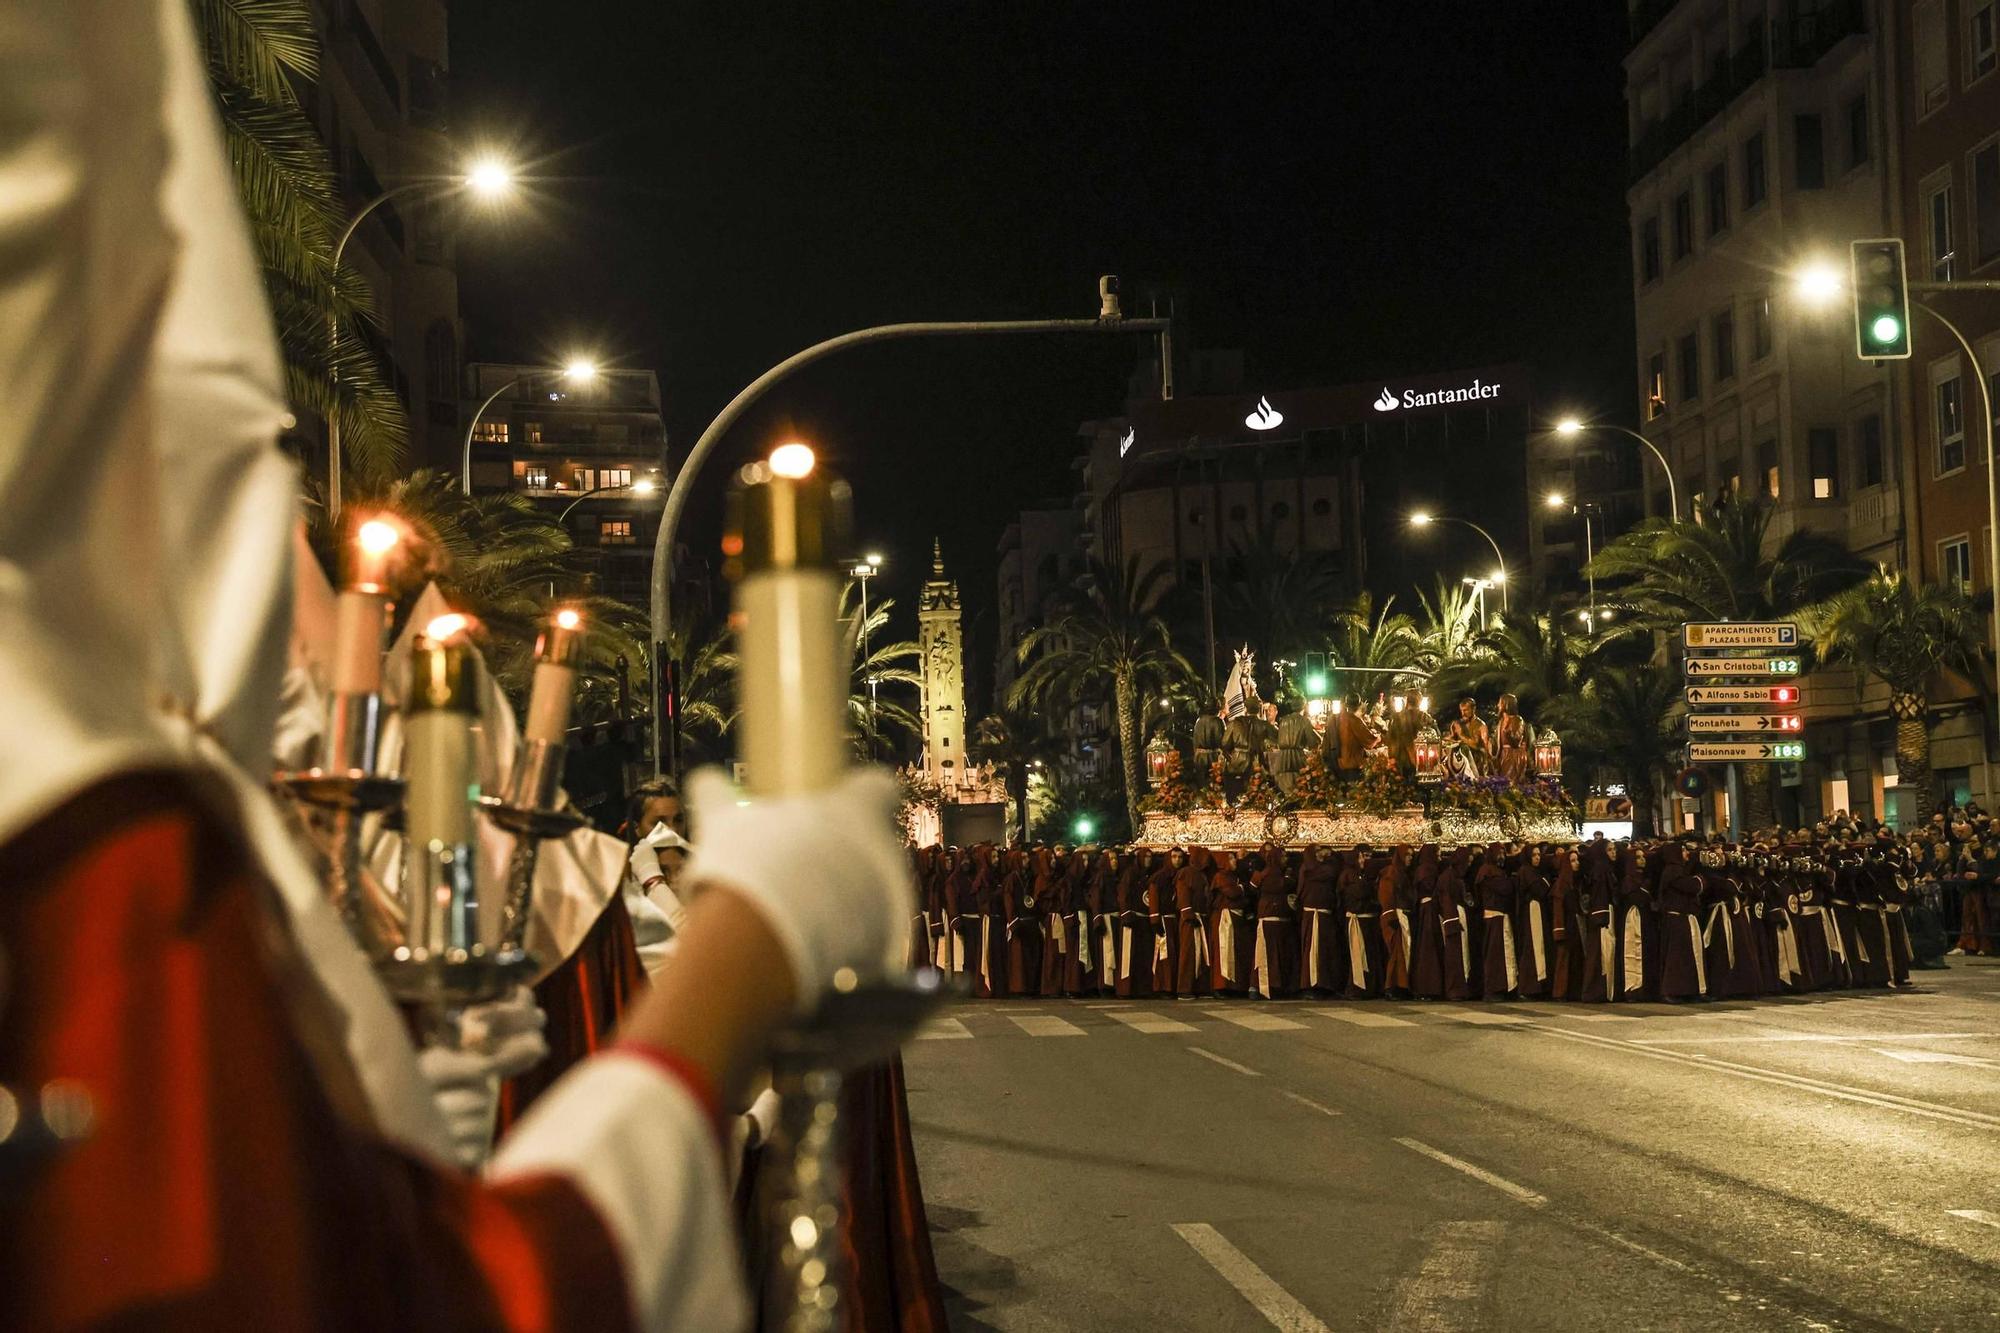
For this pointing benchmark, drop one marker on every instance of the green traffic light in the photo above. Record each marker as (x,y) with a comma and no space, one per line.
(1316,686)
(1085,826)
(1886,329)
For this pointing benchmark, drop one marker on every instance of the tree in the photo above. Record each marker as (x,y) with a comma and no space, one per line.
(258,53)
(1903,633)
(1533,656)
(1671,571)
(1446,629)
(1015,740)
(870,719)
(1630,720)
(1278,599)
(1373,643)
(1108,639)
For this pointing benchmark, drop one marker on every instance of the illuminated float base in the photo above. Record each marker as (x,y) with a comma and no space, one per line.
(1343,828)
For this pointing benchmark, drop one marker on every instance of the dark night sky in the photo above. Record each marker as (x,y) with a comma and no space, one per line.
(1342,188)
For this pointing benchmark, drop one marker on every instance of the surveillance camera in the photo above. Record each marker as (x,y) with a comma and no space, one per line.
(1107,296)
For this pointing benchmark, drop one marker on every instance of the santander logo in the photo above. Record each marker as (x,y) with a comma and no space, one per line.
(1265,417)
(1387,402)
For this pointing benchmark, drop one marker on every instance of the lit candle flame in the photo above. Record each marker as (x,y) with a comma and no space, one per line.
(446,627)
(378,537)
(568,618)
(792,461)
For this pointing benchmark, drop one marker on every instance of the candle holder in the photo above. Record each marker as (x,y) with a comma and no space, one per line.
(342,798)
(531,826)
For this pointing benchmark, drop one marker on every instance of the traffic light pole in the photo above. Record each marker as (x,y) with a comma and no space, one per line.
(1992,480)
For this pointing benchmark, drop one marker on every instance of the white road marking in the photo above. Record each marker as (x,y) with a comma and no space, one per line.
(1307,1101)
(1043,1025)
(1107,1004)
(1812,1037)
(1252,1283)
(1886,1101)
(943,1029)
(1445,1292)
(1521,1193)
(1143,1022)
(1226,1063)
(1938,1058)
(1363,1018)
(1606,1018)
(1488,1018)
(1254,1019)
(1979,1215)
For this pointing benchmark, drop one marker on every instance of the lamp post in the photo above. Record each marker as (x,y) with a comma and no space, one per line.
(487,178)
(863,570)
(1479,587)
(1424,518)
(1110,319)
(1569,426)
(643,486)
(1583,509)
(579,371)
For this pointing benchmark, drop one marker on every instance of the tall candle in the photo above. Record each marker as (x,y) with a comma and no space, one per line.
(362,614)
(439,762)
(557,653)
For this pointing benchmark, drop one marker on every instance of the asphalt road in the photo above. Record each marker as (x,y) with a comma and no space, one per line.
(1822,1162)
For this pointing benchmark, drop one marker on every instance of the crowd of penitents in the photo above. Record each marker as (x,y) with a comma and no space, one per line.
(1592,922)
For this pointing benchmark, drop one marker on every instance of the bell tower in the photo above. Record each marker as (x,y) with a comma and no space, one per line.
(941,643)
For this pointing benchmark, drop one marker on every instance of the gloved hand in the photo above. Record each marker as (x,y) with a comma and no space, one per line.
(645,863)
(496,1040)
(826,871)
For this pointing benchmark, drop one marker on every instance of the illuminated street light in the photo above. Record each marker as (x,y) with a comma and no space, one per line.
(1423,518)
(489,178)
(1573,426)
(1556,500)
(577,370)
(1818,284)
(792,460)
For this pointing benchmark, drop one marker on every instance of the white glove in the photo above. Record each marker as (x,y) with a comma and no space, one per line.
(826,870)
(645,858)
(496,1040)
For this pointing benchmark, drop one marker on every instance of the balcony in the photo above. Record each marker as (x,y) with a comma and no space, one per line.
(1800,42)
(1657,142)
(1646,16)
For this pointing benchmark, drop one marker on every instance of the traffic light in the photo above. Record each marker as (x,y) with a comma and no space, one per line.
(1316,679)
(1881,300)
(1084,828)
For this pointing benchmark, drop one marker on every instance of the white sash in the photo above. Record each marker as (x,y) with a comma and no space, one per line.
(941,946)
(986,952)
(1083,941)
(1409,944)
(1310,926)
(1535,930)
(1225,943)
(1125,955)
(1700,955)
(1059,937)
(1107,952)
(1201,959)
(1635,950)
(1788,949)
(1507,946)
(1263,959)
(1357,951)
(1464,945)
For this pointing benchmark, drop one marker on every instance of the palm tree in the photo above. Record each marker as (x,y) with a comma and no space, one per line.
(1904,633)
(1673,571)
(1446,630)
(1110,639)
(1015,740)
(1374,643)
(870,718)
(1629,719)
(1532,655)
(1277,598)
(259,52)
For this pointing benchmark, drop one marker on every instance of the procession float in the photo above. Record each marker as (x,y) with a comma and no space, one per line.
(1340,774)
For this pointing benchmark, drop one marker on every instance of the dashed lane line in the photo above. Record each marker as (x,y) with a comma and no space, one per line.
(1485,1018)
(1226,1062)
(1445,1292)
(1252,1283)
(1045,1025)
(1979,1215)
(1520,1193)
(1255,1020)
(1883,1100)
(1309,1102)
(1150,1023)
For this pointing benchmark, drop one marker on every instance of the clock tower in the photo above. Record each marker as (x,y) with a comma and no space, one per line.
(940,642)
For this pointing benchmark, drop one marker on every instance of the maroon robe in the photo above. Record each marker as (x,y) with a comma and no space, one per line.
(1193,963)
(1024,928)
(1135,933)
(1397,909)
(1599,922)
(1427,948)
(1079,978)
(988,959)
(1322,925)
(1499,959)
(1277,956)
(1566,931)
(1360,916)
(1052,898)
(584,998)
(1533,935)
(1232,928)
(1684,973)
(1160,914)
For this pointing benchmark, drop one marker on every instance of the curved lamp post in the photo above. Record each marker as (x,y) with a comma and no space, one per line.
(1424,518)
(576,372)
(1572,426)
(488,178)
(1111,319)
(643,486)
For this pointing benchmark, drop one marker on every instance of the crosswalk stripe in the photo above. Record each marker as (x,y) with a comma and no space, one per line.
(1603,1018)
(1044,1025)
(943,1029)
(1363,1018)
(1979,1215)
(1254,1020)
(1143,1022)
(1485,1019)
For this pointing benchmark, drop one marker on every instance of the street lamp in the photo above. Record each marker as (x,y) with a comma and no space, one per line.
(1571,426)
(1582,508)
(863,570)
(1818,284)
(487,177)
(1424,518)
(575,371)
(643,486)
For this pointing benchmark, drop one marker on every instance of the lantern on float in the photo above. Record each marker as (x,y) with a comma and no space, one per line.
(1429,751)
(1157,754)
(1549,753)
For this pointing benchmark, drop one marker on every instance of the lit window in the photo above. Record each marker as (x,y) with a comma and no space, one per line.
(1823,461)
(535,478)
(615,476)
(490,432)
(1656,385)
(614,532)
(1767,467)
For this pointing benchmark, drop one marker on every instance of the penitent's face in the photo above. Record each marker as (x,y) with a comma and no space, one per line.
(662,810)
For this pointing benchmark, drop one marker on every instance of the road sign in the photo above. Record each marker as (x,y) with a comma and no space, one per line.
(1711,724)
(1734,752)
(1751,668)
(1709,635)
(1766,696)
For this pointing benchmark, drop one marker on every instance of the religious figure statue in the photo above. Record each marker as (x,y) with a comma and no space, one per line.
(1400,736)
(1467,748)
(1511,741)
(1295,737)
(1207,746)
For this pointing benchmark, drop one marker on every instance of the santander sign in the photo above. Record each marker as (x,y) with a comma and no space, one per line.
(1472,393)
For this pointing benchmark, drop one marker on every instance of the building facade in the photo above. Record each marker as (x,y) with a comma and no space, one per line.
(382,107)
(593,455)
(941,666)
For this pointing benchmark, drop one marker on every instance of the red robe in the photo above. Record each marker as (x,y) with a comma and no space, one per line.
(584,999)
(1232,928)
(1193,963)
(229,1179)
